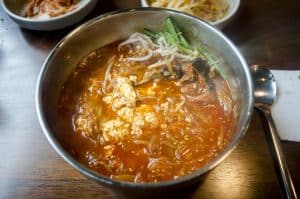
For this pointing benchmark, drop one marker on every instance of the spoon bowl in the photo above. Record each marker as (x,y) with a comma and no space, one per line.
(265,87)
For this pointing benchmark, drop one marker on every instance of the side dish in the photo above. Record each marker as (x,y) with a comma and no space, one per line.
(49,8)
(151,108)
(210,10)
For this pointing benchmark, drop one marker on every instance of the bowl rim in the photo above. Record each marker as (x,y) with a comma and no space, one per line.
(98,177)
(82,5)
(217,22)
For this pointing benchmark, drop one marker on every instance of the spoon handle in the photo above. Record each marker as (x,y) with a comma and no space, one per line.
(286,179)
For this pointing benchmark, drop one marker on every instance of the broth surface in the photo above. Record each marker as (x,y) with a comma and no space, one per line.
(160,130)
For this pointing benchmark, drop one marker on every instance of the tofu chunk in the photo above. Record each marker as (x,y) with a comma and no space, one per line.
(123,94)
(115,130)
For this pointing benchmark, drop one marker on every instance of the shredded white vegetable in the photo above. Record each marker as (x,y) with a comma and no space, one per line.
(139,39)
(162,48)
(107,76)
(180,104)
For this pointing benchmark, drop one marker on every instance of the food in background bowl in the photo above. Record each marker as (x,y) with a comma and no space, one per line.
(47,15)
(151,108)
(209,10)
(49,8)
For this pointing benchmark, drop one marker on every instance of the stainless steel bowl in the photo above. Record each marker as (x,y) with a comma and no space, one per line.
(118,25)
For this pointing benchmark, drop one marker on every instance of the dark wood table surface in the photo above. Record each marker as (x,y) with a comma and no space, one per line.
(266,31)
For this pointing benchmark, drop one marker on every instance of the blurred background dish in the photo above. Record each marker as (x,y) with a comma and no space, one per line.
(47,15)
(217,12)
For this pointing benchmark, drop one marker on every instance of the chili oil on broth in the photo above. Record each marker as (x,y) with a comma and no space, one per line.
(157,131)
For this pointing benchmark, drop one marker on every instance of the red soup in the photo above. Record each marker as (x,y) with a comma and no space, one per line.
(135,113)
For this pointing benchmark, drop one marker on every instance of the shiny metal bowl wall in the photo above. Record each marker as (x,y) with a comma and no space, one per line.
(116,26)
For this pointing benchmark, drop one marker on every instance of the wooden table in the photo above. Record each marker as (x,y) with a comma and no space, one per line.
(266,31)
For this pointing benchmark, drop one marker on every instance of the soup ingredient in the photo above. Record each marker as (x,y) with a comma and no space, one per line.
(139,111)
(210,10)
(171,40)
(52,8)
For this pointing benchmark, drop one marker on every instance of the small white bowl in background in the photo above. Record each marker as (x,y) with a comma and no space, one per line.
(14,8)
(220,23)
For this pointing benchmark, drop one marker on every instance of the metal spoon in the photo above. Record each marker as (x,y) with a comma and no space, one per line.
(265,92)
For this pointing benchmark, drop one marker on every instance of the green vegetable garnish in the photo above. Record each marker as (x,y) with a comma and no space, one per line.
(211,60)
(175,37)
